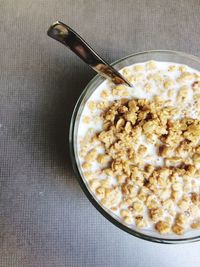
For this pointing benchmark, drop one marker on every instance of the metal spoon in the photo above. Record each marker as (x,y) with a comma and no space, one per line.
(64,34)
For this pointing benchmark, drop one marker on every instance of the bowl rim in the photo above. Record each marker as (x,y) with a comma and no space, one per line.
(82,184)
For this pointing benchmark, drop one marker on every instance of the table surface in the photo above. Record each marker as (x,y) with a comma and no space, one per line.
(45,219)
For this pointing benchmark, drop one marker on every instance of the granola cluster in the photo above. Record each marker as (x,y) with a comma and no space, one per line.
(148,158)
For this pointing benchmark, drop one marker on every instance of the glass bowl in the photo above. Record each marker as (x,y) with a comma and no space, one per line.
(158,55)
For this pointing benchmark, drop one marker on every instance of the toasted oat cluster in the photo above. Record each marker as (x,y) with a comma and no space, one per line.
(143,161)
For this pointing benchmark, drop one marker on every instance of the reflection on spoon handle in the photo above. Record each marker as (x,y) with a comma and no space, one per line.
(64,34)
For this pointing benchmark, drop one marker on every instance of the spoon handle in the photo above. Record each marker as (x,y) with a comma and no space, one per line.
(64,34)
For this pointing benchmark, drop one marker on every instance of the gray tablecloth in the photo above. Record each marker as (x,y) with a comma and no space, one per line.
(45,219)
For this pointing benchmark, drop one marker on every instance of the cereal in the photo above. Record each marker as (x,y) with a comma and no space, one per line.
(196,224)
(105,94)
(195,198)
(168,83)
(137,77)
(148,87)
(163,227)
(141,222)
(141,156)
(181,219)
(156,214)
(86,119)
(171,93)
(138,68)
(127,220)
(86,165)
(182,68)
(112,197)
(103,158)
(88,175)
(94,184)
(100,191)
(177,229)
(92,105)
(138,207)
(151,65)
(172,68)
(184,77)
(183,94)
(91,155)
(142,150)
(125,213)
(184,204)
(196,85)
